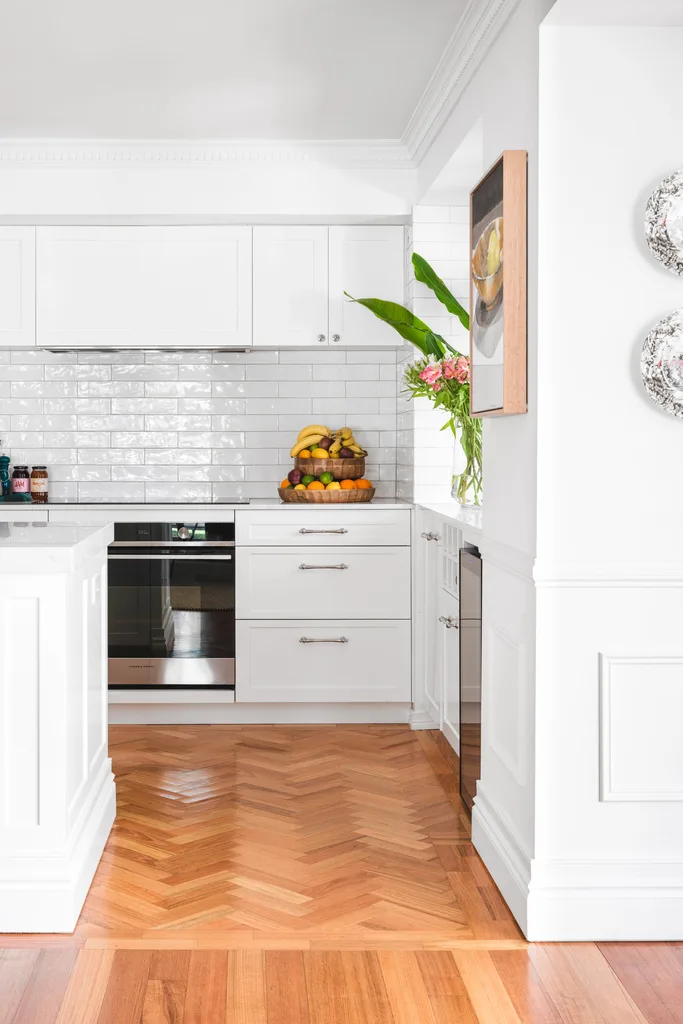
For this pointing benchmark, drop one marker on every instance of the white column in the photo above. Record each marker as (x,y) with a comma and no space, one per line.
(57,797)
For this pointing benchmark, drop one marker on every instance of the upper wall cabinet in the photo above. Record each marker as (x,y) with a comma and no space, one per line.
(366,262)
(144,287)
(290,286)
(301,274)
(17,287)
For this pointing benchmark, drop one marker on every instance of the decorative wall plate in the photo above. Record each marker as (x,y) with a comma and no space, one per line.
(664,222)
(661,363)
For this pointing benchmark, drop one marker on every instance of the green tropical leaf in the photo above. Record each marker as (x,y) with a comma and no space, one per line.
(409,326)
(427,275)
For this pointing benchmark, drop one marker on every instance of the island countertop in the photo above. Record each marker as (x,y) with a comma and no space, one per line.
(29,547)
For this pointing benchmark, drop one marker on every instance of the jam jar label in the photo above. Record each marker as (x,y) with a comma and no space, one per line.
(20,485)
(39,486)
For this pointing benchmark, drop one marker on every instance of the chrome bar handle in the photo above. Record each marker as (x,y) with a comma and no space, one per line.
(448,622)
(170,558)
(304,530)
(329,640)
(341,566)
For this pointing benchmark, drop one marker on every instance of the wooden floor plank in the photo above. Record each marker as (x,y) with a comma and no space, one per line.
(524,987)
(207,983)
(48,982)
(488,995)
(326,988)
(246,992)
(164,1002)
(406,990)
(87,986)
(366,991)
(16,968)
(125,994)
(286,995)
(446,990)
(652,974)
(582,985)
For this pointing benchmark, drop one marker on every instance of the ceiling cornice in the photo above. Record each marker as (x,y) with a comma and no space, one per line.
(211,155)
(481,22)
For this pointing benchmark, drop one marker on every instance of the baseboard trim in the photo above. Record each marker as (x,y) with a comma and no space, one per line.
(47,894)
(452,736)
(259,714)
(421,719)
(507,861)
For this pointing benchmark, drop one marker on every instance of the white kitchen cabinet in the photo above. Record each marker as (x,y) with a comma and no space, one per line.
(147,287)
(337,525)
(17,287)
(449,666)
(323,583)
(366,262)
(429,634)
(290,286)
(323,661)
(301,274)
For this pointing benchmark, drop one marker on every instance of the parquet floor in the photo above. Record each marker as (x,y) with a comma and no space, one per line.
(309,875)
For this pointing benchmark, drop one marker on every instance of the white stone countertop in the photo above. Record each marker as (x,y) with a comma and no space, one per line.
(50,547)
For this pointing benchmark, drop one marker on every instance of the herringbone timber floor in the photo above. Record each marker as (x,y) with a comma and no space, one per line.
(288,837)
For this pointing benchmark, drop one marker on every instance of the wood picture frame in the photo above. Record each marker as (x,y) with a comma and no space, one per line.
(498,288)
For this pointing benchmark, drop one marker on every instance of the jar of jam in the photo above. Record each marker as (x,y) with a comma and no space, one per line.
(20,480)
(39,484)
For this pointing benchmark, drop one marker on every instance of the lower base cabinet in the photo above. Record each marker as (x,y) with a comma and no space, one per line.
(324,661)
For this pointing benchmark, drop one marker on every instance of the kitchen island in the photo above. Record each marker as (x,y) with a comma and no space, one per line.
(57,795)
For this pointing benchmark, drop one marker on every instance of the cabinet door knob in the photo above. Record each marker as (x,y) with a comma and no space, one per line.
(321,337)
(427,536)
(448,622)
(336,337)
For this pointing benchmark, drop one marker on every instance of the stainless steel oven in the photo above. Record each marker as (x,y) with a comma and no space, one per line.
(172,605)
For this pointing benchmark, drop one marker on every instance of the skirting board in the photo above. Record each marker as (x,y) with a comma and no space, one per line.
(452,736)
(422,720)
(605,915)
(52,903)
(507,863)
(258,714)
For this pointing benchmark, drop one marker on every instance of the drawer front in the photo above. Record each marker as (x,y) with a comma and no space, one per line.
(325,526)
(323,662)
(323,583)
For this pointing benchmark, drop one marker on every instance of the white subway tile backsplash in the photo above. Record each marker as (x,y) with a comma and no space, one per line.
(176,389)
(189,426)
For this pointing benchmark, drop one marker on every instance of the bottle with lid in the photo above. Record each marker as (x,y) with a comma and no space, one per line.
(20,480)
(39,481)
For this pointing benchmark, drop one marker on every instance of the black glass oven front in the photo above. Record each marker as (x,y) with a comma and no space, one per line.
(172,605)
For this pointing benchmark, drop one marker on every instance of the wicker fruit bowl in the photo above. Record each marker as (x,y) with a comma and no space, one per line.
(341,497)
(341,469)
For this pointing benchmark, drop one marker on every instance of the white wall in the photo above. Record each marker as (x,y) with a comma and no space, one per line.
(503,98)
(609,697)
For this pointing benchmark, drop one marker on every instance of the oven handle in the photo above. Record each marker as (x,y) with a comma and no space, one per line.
(172,543)
(170,558)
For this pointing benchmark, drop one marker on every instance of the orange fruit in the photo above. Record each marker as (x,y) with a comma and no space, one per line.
(316,486)
(363,483)
(285,483)
(348,485)
(305,454)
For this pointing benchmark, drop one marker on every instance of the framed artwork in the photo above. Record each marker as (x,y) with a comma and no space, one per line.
(498,288)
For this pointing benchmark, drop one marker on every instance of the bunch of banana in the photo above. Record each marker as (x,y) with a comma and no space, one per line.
(343,438)
(309,437)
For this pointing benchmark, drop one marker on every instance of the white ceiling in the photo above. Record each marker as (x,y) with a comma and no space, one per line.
(217,69)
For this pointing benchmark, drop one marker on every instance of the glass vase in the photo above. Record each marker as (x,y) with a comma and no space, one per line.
(466,487)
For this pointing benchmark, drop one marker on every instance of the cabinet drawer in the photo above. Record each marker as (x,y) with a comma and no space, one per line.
(324,526)
(346,661)
(323,583)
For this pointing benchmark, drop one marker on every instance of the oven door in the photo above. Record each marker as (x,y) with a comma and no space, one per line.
(171,615)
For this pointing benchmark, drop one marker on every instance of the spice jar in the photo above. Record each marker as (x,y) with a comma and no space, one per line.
(20,480)
(39,484)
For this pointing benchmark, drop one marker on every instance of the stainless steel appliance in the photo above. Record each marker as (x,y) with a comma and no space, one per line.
(172,606)
(470,673)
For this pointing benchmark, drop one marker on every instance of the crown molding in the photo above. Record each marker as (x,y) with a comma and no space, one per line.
(386,154)
(481,22)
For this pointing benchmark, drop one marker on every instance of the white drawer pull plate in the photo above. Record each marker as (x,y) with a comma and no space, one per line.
(331,640)
(304,566)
